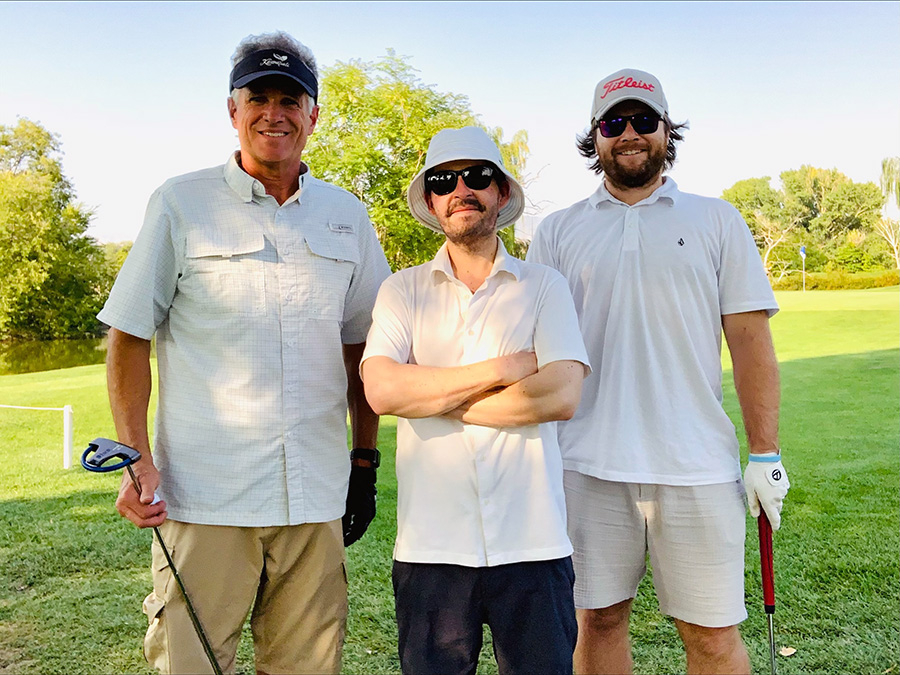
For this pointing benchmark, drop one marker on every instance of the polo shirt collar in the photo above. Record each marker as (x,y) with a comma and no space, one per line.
(667,191)
(503,263)
(246,186)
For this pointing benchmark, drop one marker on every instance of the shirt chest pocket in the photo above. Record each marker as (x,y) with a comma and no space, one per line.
(225,275)
(330,257)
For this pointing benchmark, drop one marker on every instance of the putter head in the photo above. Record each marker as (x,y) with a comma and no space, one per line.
(101,450)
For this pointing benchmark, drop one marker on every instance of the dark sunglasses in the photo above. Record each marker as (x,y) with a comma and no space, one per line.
(444,181)
(642,124)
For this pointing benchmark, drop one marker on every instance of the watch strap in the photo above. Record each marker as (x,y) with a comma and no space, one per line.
(371,455)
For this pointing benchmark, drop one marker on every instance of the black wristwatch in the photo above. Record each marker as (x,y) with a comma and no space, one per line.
(368,454)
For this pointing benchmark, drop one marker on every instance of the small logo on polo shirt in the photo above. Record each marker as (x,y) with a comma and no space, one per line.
(681,242)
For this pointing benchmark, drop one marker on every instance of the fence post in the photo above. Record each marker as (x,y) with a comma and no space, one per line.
(68,435)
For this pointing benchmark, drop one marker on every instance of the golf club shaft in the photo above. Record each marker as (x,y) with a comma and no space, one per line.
(187,601)
(767,565)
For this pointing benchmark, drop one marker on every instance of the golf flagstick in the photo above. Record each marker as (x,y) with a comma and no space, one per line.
(767,563)
(95,459)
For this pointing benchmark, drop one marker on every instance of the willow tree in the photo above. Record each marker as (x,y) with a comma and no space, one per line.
(888,228)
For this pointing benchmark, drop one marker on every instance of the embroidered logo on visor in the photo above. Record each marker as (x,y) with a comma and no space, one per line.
(276,60)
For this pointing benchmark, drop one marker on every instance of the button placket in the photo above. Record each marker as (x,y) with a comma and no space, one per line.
(286,274)
(632,218)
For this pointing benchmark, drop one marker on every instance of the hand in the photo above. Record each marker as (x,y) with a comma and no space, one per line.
(766,482)
(360,503)
(515,367)
(144,509)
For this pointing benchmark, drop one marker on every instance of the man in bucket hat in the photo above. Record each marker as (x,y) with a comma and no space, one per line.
(478,354)
(651,458)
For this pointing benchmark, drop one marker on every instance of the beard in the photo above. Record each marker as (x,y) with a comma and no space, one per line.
(634,177)
(468,233)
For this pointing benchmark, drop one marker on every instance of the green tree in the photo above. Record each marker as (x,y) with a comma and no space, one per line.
(375,122)
(53,277)
(828,205)
(819,208)
(115,254)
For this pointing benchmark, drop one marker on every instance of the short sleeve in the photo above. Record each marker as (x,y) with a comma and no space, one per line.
(142,294)
(743,284)
(372,270)
(557,335)
(391,331)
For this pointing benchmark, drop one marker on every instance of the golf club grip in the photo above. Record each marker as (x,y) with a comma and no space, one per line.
(766,560)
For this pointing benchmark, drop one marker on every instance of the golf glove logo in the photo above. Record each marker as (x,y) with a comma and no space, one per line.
(766,482)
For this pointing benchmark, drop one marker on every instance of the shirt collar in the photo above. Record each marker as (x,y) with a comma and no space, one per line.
(246,186)
(503,262)
(667,191)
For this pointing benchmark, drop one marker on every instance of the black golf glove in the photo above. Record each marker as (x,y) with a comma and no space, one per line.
(360,503)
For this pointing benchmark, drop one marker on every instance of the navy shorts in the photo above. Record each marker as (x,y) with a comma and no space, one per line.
(528,607)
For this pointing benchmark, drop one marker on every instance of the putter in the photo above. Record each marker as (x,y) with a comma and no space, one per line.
(95,458)
(766,559)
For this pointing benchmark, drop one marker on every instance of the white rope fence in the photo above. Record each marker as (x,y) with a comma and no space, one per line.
(68,429)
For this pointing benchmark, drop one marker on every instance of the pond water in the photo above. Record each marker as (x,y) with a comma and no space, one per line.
(35,356)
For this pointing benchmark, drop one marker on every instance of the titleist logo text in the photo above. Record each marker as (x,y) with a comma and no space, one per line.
(623,82)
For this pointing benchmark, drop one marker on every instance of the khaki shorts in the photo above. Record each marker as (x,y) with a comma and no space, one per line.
(293,578)
(694,536)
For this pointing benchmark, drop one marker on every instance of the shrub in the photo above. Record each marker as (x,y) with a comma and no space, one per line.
(838,280)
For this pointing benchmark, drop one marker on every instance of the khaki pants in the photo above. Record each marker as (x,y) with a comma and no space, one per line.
(293,578)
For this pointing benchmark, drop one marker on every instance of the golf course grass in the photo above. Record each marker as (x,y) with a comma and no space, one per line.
(73,573)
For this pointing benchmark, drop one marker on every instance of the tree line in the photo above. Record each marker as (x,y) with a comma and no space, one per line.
(371,138)
(820,220)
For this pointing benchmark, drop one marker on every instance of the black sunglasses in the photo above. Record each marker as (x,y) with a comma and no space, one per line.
(443,181)
(645,123)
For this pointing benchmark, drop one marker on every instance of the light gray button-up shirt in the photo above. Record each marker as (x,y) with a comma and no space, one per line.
(250,302)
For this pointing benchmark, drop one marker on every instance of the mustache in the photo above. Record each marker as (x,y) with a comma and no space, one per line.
(467,202)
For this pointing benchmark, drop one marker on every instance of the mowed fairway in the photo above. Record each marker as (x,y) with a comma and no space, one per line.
(73,574)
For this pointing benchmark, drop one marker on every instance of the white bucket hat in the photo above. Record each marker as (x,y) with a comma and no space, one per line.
(450,145)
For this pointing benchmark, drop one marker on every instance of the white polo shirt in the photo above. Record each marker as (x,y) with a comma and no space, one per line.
(651,283)
(250,302)
(472,495)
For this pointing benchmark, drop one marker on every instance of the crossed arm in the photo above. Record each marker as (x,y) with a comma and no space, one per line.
(500,392)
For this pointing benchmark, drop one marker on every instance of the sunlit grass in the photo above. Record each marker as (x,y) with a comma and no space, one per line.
(73,574)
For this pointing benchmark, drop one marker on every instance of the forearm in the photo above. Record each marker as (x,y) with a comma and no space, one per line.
(129,384)
(756,378)
(551,394)
(414,391)
(363,420)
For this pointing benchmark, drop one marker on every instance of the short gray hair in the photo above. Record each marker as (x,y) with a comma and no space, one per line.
(277,40)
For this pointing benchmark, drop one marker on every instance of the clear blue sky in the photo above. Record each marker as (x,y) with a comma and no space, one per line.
(137,91)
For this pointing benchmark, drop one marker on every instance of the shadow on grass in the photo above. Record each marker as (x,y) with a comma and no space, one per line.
(73,573)
(837,575)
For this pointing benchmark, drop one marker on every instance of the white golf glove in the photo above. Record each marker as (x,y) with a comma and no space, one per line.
(766,482)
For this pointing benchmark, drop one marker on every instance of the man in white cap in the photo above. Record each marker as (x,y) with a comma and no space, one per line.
(478,354)
(257,281)
(651,459)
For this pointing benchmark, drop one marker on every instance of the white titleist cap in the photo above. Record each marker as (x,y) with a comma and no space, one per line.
(628,85)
